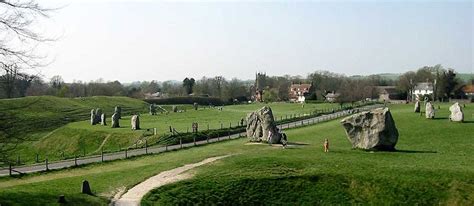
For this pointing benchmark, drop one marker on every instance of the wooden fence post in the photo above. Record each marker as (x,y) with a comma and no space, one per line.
(37,158)
(126,153)
(75,160)
(194,140)
(146,146)
(46,163)
(181,142)
(10,168)
(101,155)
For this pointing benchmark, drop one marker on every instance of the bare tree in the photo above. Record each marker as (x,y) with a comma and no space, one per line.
(18,41)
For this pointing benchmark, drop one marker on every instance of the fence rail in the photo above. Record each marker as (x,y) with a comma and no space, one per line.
(76,161)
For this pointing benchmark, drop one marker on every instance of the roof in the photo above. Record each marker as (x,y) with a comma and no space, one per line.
(468,88)
(424,86)
(301,86)
(332,95)
(387,89)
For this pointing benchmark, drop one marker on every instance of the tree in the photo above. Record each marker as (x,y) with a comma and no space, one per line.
(188,85)
(17,20)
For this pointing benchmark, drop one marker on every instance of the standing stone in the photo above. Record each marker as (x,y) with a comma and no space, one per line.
(93,119)
(118,111)
(152,109)
(456,113)
(115,120)
(98,114)
(417,107)
(371,130)
(102,119)
(260,124)
(174,108)
(135,121)
(86,189)
(429,110)
(196,106)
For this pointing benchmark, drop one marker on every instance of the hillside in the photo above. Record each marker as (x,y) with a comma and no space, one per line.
(421,172)
(21,116)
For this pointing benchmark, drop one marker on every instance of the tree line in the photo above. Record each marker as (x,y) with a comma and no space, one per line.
(14,83)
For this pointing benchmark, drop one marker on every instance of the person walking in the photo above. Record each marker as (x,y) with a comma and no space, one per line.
(326,145)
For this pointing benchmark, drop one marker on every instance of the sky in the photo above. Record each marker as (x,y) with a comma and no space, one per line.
(155,40)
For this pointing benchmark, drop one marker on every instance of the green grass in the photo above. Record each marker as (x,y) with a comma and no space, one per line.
(433,166)
(79,138)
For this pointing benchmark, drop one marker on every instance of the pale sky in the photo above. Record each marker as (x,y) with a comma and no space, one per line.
(147,40)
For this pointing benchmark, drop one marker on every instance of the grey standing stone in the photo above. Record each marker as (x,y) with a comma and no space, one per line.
(456,113)
(102,119)
(86,189)
(93,119)
(196,106)
(135,121)
(115,120)
(371,130)
(118,111)
(174,108)
(429,111)
(417,107)
(261,127)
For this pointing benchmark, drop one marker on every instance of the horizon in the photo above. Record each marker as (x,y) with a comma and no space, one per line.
(131,41)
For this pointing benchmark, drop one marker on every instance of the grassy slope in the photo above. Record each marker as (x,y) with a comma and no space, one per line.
(80,137)
(304,174)
(33,118)
(433,166)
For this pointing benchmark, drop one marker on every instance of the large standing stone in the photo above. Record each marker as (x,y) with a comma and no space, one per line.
(260,124)
(98,114)
(135,121)
(86,189)
(456,113)
(196,106)
(371,130)
(102,119)
(174,108)
(118,111)
(93,119)
(417,107)
(115,120)
(429,110)
(152,109)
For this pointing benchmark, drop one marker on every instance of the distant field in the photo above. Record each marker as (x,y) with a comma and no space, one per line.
(433,166)
(81,138)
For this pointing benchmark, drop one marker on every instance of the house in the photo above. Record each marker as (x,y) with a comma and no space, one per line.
(387,93)
(468,90)
(332,96)
(298,92)
(421,89)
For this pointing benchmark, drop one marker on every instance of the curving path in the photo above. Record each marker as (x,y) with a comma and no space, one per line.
(134,195)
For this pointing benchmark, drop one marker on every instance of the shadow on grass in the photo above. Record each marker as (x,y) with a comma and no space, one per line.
(440,118)
(468,122)
(413,151)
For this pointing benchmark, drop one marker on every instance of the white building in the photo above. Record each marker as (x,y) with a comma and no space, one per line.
(421,89)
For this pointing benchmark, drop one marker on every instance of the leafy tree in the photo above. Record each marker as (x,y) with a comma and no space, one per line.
(188,85)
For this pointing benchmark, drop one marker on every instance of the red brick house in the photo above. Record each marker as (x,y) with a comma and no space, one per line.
(298,92)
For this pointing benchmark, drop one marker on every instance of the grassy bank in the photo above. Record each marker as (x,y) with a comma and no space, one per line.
(432,166)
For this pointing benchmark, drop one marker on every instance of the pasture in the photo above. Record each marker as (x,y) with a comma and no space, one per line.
(433,165)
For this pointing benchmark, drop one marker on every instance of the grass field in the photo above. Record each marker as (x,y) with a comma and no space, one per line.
(433,165)
(81,138)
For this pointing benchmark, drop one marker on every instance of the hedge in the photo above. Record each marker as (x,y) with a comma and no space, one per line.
(187,100)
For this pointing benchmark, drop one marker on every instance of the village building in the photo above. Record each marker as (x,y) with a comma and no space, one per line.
(332,96)
(468,91)
(421,89)
(299,92)
(387,93)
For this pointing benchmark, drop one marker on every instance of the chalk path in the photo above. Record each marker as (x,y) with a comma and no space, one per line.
(133,196)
